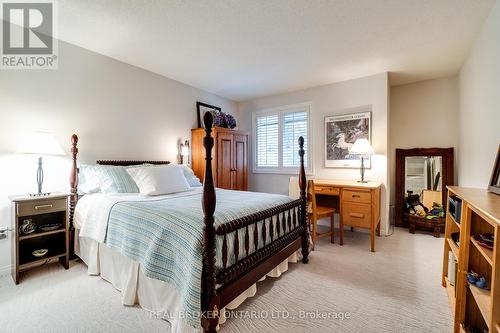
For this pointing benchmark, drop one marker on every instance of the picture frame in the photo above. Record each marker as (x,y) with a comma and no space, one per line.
(201,108)
(494,185)
(340,132)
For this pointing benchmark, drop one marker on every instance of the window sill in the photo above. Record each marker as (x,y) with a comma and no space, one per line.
(281,172)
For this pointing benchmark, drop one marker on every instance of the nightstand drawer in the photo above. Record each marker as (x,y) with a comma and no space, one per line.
(356,215)
(357,196)
(318,189)
(40,207)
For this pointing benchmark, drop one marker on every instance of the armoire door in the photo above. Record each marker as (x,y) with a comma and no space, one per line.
(239,171)
(224,160)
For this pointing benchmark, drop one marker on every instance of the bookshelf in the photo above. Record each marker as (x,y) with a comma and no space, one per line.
(472,306)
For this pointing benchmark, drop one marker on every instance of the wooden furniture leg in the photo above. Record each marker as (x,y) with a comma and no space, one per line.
(372,239)
(437,231)
(341,233)
(332,226)
(352,229)
(412,226)
(313,236)
(378,229)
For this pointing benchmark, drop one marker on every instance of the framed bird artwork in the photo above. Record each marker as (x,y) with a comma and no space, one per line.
(341,131)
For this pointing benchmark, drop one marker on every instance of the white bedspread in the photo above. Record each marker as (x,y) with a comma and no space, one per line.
(92,210)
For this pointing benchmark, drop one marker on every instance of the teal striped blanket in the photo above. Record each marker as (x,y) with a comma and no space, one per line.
(165,236)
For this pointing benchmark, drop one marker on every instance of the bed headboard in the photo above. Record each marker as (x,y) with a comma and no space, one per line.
(127,163)
(73,178)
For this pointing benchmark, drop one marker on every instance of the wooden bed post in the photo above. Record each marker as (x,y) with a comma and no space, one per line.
(73,198)
(303,213)
(209,299)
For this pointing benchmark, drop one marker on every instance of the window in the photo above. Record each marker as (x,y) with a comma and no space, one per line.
(276,134)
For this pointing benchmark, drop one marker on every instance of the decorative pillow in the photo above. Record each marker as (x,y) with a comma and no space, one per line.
(88,182)
(159,180)
(191,178)
(115,179)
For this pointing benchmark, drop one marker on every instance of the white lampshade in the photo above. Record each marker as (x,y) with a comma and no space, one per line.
(361,147)
(40,143)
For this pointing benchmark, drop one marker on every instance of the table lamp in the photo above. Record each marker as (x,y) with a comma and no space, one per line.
(185,152)
(40,143)
(362,147)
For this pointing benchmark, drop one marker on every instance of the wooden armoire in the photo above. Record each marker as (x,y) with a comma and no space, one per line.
(230,157)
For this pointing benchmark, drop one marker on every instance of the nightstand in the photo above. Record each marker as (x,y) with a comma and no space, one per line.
(39,223)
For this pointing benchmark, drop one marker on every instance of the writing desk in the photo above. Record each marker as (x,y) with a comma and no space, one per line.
(358,204)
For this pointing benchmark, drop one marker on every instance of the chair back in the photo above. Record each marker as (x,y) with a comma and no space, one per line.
(311,198)
(429,197)
(293,188)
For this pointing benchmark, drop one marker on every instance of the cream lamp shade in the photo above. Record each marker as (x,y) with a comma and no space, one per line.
(40,143)
(361,147)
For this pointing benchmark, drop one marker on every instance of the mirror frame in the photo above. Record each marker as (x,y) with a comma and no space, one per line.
(447,174)
(495,175)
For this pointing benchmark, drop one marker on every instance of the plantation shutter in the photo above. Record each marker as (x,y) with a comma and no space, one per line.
(267,145)
(295,124)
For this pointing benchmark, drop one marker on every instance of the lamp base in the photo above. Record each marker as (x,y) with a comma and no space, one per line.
(363,181)
(40,194)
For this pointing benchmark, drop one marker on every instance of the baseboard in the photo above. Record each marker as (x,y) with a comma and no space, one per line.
(5,270)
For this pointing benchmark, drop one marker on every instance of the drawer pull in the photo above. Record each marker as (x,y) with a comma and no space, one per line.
(43,207)
(358,215)
(318,189)
(356,196)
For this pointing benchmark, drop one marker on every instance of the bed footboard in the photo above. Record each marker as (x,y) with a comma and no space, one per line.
(284,233)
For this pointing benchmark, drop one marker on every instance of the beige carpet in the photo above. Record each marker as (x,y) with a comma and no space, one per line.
(396,289)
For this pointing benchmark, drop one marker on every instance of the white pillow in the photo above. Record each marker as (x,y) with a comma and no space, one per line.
(191,178)
(88,182)
(159,180)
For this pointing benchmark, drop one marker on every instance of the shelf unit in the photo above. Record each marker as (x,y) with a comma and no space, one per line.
(454,248)
(487,253)
(472,306)
(40,234)
(449,245)
(40,212)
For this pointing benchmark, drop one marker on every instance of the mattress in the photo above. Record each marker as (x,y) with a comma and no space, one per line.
(158,240)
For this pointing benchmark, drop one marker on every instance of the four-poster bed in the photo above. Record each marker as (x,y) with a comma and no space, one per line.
(260,241)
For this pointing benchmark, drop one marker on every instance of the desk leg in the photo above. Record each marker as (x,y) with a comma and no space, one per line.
(341,230)
(372,238)
(378,229)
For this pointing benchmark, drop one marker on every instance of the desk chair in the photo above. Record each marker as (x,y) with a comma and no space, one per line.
(315,212)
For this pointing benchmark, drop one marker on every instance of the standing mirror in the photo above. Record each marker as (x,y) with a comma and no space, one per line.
(422,175)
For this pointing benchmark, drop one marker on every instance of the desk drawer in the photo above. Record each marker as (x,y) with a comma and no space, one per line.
(356,215)
(318,189)
(363,196)
(40,207)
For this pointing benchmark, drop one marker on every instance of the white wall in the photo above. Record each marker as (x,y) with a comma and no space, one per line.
(423,115)
(328,100)
(479,121)
(119,112)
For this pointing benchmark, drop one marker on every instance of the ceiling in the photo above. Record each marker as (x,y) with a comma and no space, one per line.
(247,49)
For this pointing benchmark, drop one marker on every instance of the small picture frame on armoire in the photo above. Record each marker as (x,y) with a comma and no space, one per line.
(494,186)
